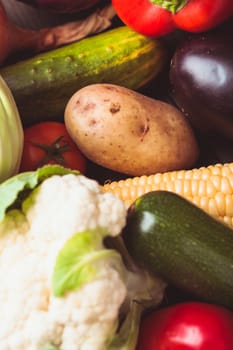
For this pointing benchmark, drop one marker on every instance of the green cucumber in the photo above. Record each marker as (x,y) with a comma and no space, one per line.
(185,246)
(43,84)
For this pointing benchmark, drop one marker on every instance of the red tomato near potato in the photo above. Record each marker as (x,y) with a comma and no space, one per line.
(187,326)
(50,143)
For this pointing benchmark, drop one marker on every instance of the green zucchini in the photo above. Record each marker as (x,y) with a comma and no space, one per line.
(185,246)
(43,84)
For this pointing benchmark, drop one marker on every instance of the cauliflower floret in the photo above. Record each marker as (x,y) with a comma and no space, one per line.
(102,300)
(31,317)
(75,203)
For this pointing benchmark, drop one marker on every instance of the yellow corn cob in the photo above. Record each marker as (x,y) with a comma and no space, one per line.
(210,188)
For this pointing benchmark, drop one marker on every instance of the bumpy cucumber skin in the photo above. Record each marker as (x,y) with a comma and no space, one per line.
(42,85)
(189,249)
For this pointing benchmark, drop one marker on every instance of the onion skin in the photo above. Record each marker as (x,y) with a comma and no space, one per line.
(63,6)
(15,39)
(201,77)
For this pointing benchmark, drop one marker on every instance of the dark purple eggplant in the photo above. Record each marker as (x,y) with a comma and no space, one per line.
(201,79)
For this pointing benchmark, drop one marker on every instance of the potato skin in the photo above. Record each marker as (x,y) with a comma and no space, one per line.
(128,132)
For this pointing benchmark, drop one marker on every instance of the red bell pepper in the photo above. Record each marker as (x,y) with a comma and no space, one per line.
(160,17)
(187,326)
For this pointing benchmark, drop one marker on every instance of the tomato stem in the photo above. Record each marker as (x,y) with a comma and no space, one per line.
(54,151)
(170,5)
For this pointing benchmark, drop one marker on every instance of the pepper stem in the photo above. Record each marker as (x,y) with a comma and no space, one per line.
(171,5)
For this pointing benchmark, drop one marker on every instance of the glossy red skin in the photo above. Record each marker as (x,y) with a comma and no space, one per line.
(187,326)
(201,15)
(144,17)
(46,133)
(154,21)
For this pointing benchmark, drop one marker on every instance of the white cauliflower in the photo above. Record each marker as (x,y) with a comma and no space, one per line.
(84,317)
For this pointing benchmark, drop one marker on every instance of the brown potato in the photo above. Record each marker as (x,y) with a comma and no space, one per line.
(128,132)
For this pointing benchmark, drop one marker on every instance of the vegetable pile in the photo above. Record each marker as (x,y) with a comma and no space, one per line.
(116,176)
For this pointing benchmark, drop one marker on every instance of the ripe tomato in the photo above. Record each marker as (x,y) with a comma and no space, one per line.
(156,17)
(145,17)
(187,326)
(50,143)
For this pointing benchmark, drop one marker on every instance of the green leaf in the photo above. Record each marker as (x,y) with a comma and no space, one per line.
(81,261)
(171,5)
(127,336)
(50,347)
(16,188)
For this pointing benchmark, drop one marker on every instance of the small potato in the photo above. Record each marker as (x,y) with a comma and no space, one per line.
(128,132)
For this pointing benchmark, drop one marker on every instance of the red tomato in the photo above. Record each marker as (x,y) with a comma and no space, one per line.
(201,15)
(145,17)
(187,326)
(156,18)
(50,143)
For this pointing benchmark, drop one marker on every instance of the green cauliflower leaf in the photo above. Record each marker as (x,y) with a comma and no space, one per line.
(15,189)
(81,260)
